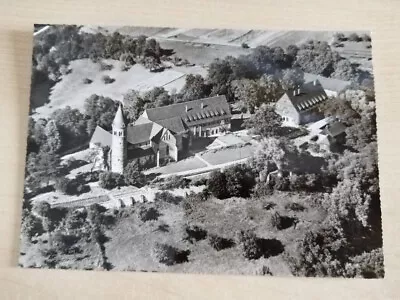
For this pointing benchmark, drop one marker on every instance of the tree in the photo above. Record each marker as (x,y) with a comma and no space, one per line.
(292,78)
(240,180)
(217,185)
(354,37)
(157,97)
(265,121)
(316,57)
(344,70)
(269,156)
(101,111)
(53,142)
(43,166)
(134,105)
(220,76)
(133,174)
(31,226)
(245,91)
(109,180)
(194,88)
(71,124)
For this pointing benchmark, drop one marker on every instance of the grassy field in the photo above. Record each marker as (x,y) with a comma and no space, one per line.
(132,240)
(71,89)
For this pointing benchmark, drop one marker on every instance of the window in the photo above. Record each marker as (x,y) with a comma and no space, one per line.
(120,133)
(167,150)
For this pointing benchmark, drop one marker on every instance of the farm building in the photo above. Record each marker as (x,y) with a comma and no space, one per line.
(163,133)
(333,87)
(300,105)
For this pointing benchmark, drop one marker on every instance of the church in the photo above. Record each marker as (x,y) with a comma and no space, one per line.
(162,134)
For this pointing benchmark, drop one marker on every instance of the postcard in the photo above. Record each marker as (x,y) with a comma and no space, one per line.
(194,150)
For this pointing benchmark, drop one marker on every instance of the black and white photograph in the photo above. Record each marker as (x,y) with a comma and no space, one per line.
(202,150)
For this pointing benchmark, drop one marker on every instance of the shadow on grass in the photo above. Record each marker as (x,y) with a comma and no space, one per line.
(270,247)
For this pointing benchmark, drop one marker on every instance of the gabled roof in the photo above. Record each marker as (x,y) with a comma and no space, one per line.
(334,129)
(101,137)
(174,125)
(307,96)
(331,84)
(193,112)
(140,133)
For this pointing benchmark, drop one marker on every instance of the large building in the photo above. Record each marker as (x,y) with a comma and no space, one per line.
(163,133)
(333,87)
(300,105)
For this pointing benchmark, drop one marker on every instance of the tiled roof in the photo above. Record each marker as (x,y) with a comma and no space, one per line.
(334,129)
(175,125)
(139,133)
(101,137)
(307,96)
(331,84)
(193,112)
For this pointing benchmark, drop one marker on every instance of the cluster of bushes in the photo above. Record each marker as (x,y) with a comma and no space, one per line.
(167,197)
(148,213)
(174,182)
(236,181)
(220,243)
(110,180)
(169,255)
(195,233)
(254,247)
(71,186)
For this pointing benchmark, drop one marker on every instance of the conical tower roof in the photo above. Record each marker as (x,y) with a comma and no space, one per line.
(119,120)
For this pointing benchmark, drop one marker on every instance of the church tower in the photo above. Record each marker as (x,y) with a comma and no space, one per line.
(118,146)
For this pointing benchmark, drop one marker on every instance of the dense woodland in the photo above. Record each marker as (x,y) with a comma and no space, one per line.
(348,243)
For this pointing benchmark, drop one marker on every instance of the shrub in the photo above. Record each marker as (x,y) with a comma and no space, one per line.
(71,187)
(295,206)
(107,79)
(88,177)
(297,182)
(262,189)
(240,179)
(167,197)
(366,37)
(195,233)
(61,185)
(31,226)
(105,67)
(125,68)
(192,200)
(175,182)
(250,247)
(339,36)
(87,81)
(133,174)
(109,180)
(282,222)
(64,242)
(269,205)
(217,185)
(148,214)
(220,243)
(354,37)
(169,255)
(245,46)
(264,271)
(281,183)
(199,182)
